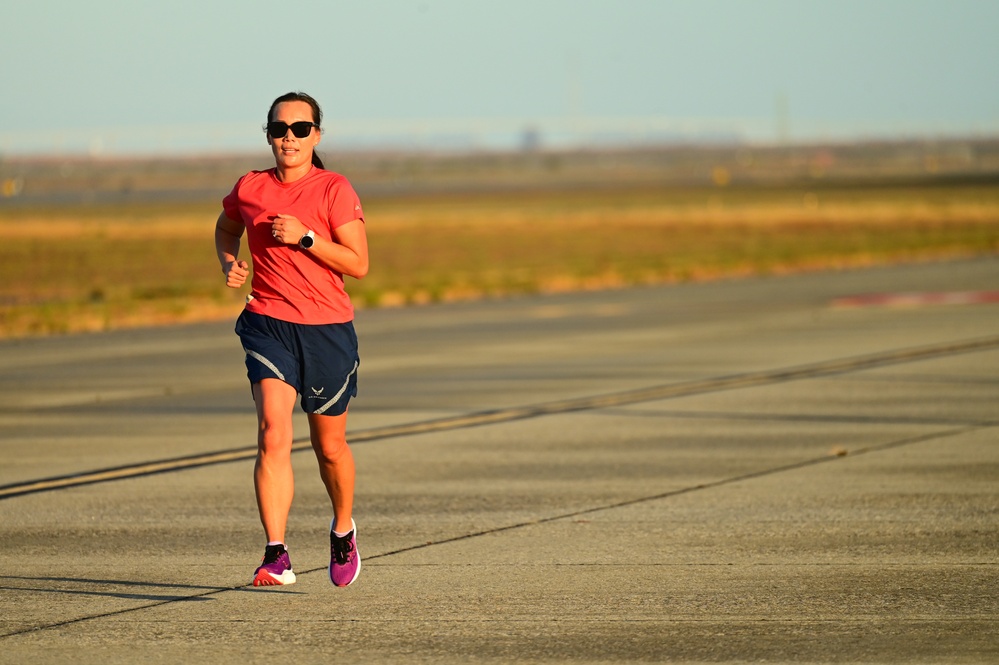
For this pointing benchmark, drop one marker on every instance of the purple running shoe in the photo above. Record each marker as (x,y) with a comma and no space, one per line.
(275,569)
(345,562)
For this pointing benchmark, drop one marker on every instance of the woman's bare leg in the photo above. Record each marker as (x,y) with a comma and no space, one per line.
(336,464)
(272,475)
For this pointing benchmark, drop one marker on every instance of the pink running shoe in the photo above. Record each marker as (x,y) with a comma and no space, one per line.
(276,568)
(345,562)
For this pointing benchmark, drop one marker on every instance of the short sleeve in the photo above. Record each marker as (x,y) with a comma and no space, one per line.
(344,204)
(230,204)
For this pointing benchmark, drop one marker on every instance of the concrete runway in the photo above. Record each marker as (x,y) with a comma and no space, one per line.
(726,472)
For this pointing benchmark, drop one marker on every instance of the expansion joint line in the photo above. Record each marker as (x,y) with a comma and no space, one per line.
(654,393)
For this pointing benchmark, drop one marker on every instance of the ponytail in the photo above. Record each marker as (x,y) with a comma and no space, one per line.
(318,163)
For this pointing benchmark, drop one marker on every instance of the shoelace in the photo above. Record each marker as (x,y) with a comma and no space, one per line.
(342,547)
(272,553)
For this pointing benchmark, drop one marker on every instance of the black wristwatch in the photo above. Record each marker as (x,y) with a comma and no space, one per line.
(308,240)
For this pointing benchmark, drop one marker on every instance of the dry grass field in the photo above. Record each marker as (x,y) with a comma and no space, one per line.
(86,268)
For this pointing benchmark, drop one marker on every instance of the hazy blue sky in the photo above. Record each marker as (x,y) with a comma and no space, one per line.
(183,74)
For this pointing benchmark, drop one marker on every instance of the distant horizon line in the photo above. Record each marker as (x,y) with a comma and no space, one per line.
(471,135)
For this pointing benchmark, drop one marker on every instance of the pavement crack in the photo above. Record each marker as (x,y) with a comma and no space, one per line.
(520,525)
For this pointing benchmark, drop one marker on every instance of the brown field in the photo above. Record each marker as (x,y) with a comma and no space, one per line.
(86,267)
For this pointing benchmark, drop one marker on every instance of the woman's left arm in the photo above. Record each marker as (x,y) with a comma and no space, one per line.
(347,254)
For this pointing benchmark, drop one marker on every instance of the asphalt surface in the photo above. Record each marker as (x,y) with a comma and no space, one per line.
(791,469)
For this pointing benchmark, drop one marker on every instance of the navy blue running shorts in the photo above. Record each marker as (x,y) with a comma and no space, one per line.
(319,361)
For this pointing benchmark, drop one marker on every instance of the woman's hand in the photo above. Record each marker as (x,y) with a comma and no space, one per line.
(236,273)
(287,229)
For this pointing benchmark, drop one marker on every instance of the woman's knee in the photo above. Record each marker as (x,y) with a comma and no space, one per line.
(274,438)
(331,450)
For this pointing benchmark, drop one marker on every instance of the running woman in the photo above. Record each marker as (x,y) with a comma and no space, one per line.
(305,231)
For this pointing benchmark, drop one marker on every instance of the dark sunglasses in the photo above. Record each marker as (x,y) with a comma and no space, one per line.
(301,129)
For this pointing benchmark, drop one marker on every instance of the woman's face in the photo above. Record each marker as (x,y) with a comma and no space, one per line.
(291,151)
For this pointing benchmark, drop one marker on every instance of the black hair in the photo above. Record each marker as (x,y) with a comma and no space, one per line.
(317,115)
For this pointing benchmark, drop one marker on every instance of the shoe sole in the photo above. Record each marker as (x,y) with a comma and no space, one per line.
(357,571)
(264,578)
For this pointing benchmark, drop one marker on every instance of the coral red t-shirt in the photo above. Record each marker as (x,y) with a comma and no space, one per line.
(289,283)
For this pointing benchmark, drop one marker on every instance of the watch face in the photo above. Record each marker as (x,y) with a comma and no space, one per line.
(306,241)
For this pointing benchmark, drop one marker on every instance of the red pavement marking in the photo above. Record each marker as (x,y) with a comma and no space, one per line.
(918,299)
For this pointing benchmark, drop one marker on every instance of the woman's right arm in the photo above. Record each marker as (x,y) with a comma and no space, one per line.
(227,235)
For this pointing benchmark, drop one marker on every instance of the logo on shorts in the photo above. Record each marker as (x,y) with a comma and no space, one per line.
(318,393)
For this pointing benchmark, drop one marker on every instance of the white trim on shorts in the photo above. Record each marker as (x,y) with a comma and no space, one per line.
(271,366)
(336,398)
